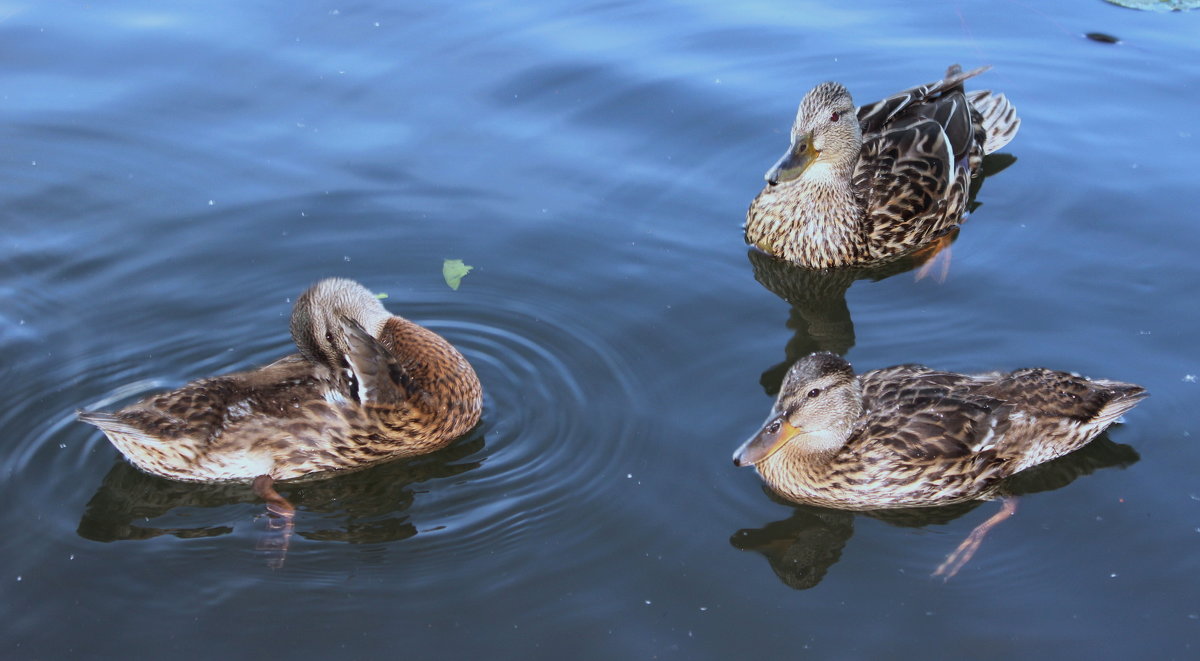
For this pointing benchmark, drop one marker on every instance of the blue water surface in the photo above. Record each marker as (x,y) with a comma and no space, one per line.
(176,173)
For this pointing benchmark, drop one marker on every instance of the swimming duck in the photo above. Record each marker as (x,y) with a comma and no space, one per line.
(858,186)
(910,436)
(366,387)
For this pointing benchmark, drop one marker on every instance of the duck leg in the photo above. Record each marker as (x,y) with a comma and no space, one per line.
(935,259)
(280,521)
(961,555)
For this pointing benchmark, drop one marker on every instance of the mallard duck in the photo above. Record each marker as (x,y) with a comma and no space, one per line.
(366,387)
(858,186)
(910,436)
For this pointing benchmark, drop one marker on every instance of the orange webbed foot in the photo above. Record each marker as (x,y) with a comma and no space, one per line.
(935,259)
(280,522)
(963,554)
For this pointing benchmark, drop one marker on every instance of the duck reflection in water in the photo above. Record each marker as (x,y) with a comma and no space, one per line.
(802,547)
(910,436)
(819,316)
(132,505)
(366,387)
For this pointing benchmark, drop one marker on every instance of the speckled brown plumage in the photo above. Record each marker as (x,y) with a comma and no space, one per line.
(858,186)
(366,387)
(910,436)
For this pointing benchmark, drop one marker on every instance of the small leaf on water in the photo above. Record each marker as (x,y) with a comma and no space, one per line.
(381,295)
(453,271)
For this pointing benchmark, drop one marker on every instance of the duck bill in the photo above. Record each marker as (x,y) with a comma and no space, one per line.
(774,434)
(793,164)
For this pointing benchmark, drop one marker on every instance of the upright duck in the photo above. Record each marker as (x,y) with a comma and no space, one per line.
(858,186)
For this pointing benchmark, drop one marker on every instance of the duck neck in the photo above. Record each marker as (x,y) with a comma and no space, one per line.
(815,221)
(795,469)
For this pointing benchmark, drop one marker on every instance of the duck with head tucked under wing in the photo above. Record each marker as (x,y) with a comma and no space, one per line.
(910,436)
(366,387)
(861,185)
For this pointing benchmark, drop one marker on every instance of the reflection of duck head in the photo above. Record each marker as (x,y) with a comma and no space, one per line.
(819,316)
(802,547)
(373,501)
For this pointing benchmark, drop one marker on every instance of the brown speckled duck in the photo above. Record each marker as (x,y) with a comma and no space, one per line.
(366,387)
(910,436)
(858,186)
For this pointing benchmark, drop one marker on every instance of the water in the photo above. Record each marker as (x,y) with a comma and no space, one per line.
(176,174)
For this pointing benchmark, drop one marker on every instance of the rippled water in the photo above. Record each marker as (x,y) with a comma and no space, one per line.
(177,173)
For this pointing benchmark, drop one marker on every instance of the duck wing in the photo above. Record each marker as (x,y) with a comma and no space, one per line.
(204,409)
(375,374)
(889,387)
(933,448)
(919,150)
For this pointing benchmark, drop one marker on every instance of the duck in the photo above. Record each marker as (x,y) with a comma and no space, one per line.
(863,185)
(366,387)
(909,436)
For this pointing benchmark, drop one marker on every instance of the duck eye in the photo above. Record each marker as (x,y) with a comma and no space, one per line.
(329,336)
(834,117)
(814,392)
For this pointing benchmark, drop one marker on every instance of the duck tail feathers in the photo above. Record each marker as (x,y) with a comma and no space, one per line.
(1000,121)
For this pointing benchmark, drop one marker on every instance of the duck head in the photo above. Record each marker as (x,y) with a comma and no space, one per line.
(825,135)
(320,313)
(817,406)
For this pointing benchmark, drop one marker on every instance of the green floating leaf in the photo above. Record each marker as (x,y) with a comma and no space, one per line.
(453,271)
(381,295)
(1158,5)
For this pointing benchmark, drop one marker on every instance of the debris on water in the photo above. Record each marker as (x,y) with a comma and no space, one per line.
(1102,38)
(454,270)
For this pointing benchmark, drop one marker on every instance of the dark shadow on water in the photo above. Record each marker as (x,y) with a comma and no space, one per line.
(370,504)
(802,547)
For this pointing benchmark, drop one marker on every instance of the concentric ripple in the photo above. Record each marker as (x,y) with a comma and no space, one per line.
(537,473)
(559,413)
